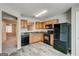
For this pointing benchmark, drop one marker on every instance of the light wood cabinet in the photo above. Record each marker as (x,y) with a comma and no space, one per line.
(36,37)
(52,21)
(52,39)
(30,26)
(23,23)
(39,25)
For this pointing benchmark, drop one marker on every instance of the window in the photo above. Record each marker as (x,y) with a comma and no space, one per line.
(9,28)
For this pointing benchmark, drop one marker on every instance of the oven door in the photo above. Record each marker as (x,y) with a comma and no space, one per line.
(47,39)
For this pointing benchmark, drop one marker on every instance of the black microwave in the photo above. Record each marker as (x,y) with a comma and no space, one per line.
(49,26)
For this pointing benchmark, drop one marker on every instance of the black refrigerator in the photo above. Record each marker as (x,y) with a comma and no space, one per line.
(62,37)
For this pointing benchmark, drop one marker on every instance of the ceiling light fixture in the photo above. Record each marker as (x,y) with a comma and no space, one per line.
(41,13)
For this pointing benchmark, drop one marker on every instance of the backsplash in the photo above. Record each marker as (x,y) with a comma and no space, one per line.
(23,30)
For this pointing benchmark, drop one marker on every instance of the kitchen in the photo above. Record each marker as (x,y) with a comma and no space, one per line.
(44,31)
(41,28)
(51,32)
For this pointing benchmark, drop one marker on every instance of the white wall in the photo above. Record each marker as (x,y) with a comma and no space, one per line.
(12,12)
(77,33)
(65,17)
(74,25)
(62,17)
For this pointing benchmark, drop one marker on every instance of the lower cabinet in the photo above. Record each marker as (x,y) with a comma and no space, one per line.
(52,39)
(35,37)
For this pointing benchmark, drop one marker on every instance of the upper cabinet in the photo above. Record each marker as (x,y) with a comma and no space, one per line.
(50,23)
(39,25)
(46,24)
(23,23)
(30,26)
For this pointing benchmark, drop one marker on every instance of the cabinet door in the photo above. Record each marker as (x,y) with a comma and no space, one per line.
(36,37)
(39,25)
(52,39)
(55,21)
(23,23)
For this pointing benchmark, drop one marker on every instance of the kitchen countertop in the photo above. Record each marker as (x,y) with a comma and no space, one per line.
(40,30)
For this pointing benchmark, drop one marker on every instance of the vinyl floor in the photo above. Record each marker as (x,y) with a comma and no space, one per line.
(37,49)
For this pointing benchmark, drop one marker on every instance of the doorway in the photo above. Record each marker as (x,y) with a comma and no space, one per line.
(9,37)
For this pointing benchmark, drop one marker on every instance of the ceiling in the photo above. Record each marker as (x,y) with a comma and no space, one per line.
(29,9)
